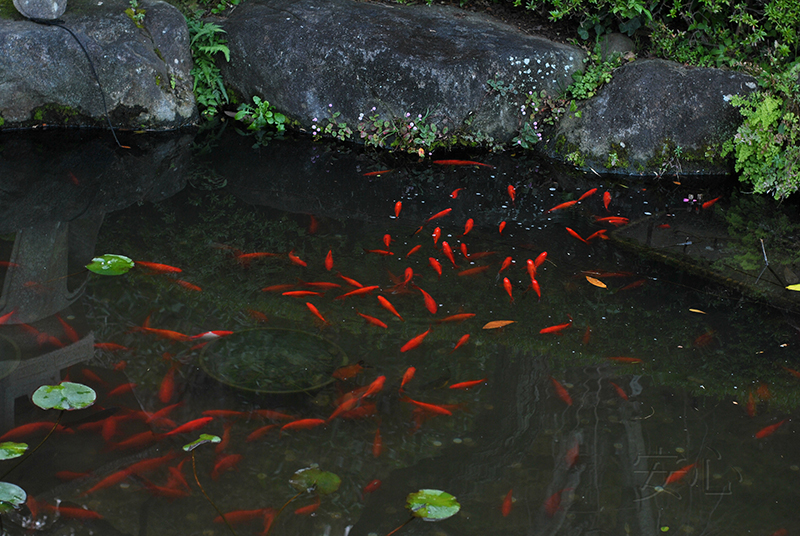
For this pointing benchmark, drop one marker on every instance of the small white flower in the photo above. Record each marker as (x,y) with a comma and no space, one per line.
(408,114)
(330,106)
(360,117)
(373,109)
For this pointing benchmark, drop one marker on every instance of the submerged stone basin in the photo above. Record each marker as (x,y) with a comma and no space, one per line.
(272,360)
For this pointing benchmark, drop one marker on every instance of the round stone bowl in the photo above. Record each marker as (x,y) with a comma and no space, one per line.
(272,361)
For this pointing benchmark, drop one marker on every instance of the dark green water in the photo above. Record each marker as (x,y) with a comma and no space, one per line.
(686,399)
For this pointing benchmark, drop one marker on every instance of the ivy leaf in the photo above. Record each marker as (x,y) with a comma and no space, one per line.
(10,450)
(432,504)
(64,396)
(11,496)
(110,264)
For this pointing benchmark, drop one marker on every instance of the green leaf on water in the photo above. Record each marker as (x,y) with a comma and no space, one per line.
(65,396)
(311,478)
(794,287)
(11,496)
(110,264)
(202,440)
(9,450)
(432,504)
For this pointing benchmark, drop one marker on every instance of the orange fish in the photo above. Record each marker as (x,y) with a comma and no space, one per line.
(297,260)
(389,307)
(358,292)
(272,415)
(308,510)
(372,320)
(223,413)
(512,192)
(413,250)
(556,329)
(188,286)
(431,408)
(226,463)
(454,193)
(167,389)
(158,268)
(375,387)
(437,267)
(461,342)
(576,235)
(464,250)
(587,335)
(769,430)
(460,317)
(384,252)
(505,509)
(377,444)
(6,317)
(407,376)
(121,389)
(506,263)
(587,194)
(708,204)
(572,455)
(242,516)
(329,260)
(260,432)
(468,226)
(397,208)
(620,391)
(460,163)
(613,220)
(277,288)
(322,285)
(345,406)
(561,391)
(438,215)
(467,385)
(501,227)
(372,486)
(349,371)
(540,259)
(190,426)
(351,282)
(473,271)
(606,200)
(375,173)
(245,258)
(793,372)
(677,476)
(448,252)
(536,288)
(553,503)
(110,346)
(625,359)
(72,512)
(387,239)
(313,225)
(437,233)
(563,205)
(302,424)
(413,343)
(301,293)
(507,286)
(430,303)
(316,312)
(599,234)
(111,480)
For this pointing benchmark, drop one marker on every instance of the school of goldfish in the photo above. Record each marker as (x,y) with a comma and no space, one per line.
(427,259)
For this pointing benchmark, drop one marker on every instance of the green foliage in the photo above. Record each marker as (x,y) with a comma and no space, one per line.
(767,144)
(411,134)
(135,13)
(208,39)
(110,264)
(311,478)
(66,396)
(259,117)
(432,504)
(10,450)
(202,440)
(597,72)
(11,496)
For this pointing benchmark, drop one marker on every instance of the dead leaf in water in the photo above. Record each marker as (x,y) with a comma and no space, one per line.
(596,282)
(498,324)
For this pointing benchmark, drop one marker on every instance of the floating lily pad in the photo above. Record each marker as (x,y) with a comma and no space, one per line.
(11,496)
(432,504)
(110,264)
(203,439)
(273,361)
(323,482)
(65,396)
(9,450)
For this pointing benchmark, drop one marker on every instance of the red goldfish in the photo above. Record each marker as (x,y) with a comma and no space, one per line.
(297,260)
(461,342)
(316,312)
(190,426)
(620,391)
(349,371)
(454,193)
(576,235)
(188,286)
(438,215)
(409,374)
(329,260)
(505,509)
(512,192)
(563,205)
(389,307)
(468,226)
(437,267)
(572,455)
(308,510)
(430,303)
(606,200)
(460,317)
(561,391)
(432,408)
(413,250)
(302,424)
(351,282)
(372,486)
(769,430)
(375,387)
(437,233)
(225,463)
(377,444)
(553,503)
(587,194)
(460,163)
(372,320)
(413,343)
(556,329)
(158,268)
(397,208)
(506,263)
(467,385)
(708,204)
(507,286)
(677,476)
(358,292)
(448,252)
(501,227)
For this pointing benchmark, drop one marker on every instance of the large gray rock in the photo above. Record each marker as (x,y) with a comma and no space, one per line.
(313,58)
(144,72)
(655,116)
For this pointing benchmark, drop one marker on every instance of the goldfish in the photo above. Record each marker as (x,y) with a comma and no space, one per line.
(111,480)
(316,312)
(329,260)
(769,430)
(407,376)
(437,267)
(272,415)
(587,335)
(158,268)
(308,510)
(431,408)
(598,234)
(460,317)
(572,455)
(505,264)
(677,476)
(437,233)
(620,391)
(121,389)
(587,194)
(563,205)
(223,413)
(708,204)
(138,441)
(387,239)
(245,258)
(302,424)
(188,286)
(793,372)
(375,173)
(190,426)
(536,288)
(386,304)
(416,341)
(397,208)
(505,509)
(384,252)
(296,260)
(635,284)
(277,288)
(372,486)
(613,220)
(72,512)
(556,329)
(448,252)
(372,320)
(468,226)
(313,224)
(260,432)
(606,200)
(413,250)
(150,464)
(6,317)
(430,303)
(165,334)
(321,285)
(454,193)
(501,227)
(241,516)
(625,359)
(468,384)
(460,163)
(464,250)
(377,444)
(576,235)
(167,389)
(540,260)
(507,286)
(553,503)
(438,215)
(461,342)
(561,391)
(351,282)
(69,331)
(301,293)
(358,292)
(473,271)
(375,387)
(225,463)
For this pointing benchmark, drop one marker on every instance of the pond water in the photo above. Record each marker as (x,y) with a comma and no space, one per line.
(636,412)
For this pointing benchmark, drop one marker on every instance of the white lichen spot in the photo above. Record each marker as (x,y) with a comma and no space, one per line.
(527,61)
(538,61)
(751,85)
(539,71)
(547,65)
(528,71)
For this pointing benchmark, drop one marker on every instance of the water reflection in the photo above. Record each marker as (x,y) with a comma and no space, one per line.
(603,459)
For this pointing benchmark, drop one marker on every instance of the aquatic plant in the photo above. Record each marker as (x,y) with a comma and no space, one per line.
(430,505)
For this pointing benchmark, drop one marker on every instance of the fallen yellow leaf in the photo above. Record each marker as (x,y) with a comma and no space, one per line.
(596,282)
(498,324)
(793,287)
(697,311)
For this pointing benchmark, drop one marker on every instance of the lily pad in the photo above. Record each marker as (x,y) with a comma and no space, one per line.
(432,504)
(202,440)
(311,478)
(65,396)
(10,450)
(11,496)
(110,264)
